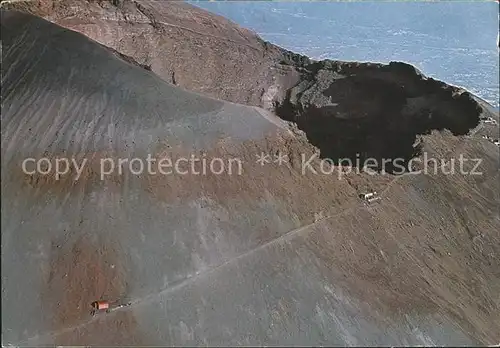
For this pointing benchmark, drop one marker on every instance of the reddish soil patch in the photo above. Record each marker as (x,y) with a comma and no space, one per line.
(82,272)
(312,193)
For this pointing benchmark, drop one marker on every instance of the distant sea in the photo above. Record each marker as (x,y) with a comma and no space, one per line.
(455,42)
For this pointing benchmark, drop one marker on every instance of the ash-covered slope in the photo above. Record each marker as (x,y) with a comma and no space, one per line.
(345,108)
(266,255)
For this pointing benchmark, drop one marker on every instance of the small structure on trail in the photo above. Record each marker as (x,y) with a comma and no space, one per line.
(490,120)
(100,306)
(373,199)
(370,197)
(367,196)
(105,306)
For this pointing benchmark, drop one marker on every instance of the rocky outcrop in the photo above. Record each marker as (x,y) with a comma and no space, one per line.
(201,51)
(347,109)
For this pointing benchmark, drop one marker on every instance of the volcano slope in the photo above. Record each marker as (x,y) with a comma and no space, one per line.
(345,108)
(265,255)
